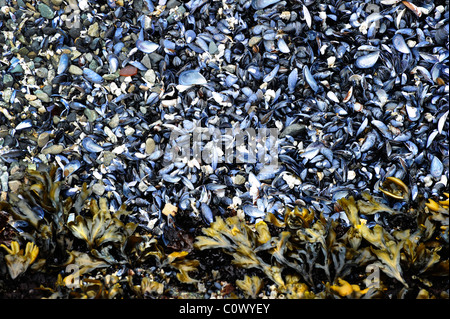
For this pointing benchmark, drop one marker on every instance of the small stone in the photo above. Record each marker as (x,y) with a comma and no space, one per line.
(93,30)
(41,95)
(150,76)
(14,186)
(129,70)
(57,2)
(155,57)
(73,69)
(98,189)
(41,73)
(172,4)
(48,89)
(146,61)
(43,139)
(74,32)
(30,97)
(142,186)
(169,209)
(8,80)
(4,181)
(108,157)
(46,11)
(110,77)
(238,179)
(149,146)
(23,51)
(54,149)
(90,114)
(17,69)
(93,65)
(351,175)
(35,103)
(114,121)
(56,120)
(72,117)
(129,131)
(212,48)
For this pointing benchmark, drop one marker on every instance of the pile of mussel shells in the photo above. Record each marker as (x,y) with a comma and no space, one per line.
(358,91)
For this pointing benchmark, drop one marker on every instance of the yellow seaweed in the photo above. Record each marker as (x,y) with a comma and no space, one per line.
(19,260)
(390,260)
(395,188)
(251,286)
(345,289)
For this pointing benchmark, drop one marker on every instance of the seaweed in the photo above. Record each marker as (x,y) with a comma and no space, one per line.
(308,249)
(89,249)
(19,260)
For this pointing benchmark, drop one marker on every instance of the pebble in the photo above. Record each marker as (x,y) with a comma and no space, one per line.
(54,149)
(93,30)
(150,76)
(254,41)
(14,186)
(114,122)
(108,157)
(41,73)
(4,179)
(110,77)
(41,95)
(17,69)
(146,61)
(129,70)
(73,69)
(238,179)
(293,130)
(46,11)
(43,139)
(129,131)
(90,114)
(212,48)
(149,146)
(98,189)
(8,80)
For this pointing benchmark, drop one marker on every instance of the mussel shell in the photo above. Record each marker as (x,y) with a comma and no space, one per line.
(261,4)
(400,44)
(90,146)
(63,64)
(191,77)
(436,167)
(146,46)
(92,76)
(368,60)
(309,78)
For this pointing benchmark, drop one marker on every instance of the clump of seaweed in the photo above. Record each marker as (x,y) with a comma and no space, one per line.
(87,248)
(78,240)
(241,242)
(309,260)
(17,260)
